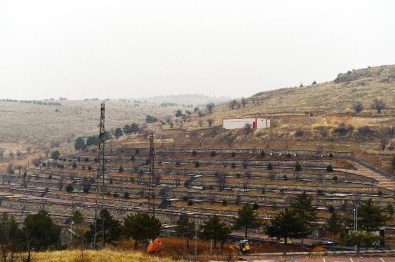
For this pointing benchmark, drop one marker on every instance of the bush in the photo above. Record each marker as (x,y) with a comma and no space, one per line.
(190,202)
(151,119)
(298,167)
(270,166)
(299,133)
(329,168)
(233,154)
(335,178)
(255,206)
(213,153)
(331,155)
(197,164)
(194,153)
(69,188)
(224,202)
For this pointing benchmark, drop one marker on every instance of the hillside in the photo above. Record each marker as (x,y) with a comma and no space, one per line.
(337,96)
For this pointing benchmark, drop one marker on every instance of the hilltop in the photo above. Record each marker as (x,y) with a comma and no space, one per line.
(337,96)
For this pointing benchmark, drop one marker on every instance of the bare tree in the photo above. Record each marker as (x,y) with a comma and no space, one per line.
(243,102)
(358,107)
(248,128)
(379,105)
(61,182)
(384,142)
(221,181)
(10,169)
(391,131)
(210,107)
(210,122)
(234,104)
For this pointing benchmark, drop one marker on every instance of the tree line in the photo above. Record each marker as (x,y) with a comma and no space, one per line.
(39,232)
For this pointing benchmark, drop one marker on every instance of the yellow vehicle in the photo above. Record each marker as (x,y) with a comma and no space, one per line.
(244,246)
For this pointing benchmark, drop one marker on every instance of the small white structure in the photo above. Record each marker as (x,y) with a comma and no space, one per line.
(255,123)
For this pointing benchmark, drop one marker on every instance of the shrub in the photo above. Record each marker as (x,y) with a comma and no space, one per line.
(335,178)
(299,133)
(331,155)
(298,167)
(233,154)
(213,153)
(329,168)
(197,164)
(262,154)
(194,153)
(190,202)
(224,202)
(270,166)
(69,188)
(255,206)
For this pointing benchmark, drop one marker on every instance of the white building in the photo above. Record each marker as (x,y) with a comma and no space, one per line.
(255,123)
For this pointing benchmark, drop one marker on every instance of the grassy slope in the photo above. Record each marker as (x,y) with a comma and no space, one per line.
(329,97)
(91,255)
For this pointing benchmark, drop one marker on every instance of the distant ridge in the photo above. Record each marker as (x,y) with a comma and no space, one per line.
(186,99)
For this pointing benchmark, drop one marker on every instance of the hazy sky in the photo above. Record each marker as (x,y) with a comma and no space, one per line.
(114,49)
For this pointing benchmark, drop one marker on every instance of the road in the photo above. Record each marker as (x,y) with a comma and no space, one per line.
(290,258)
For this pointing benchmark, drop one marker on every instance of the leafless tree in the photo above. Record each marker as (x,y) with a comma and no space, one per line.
(210,122)
(358,107)
(243,102)
(234,104)
(248,128)
(384,142)
(10,169)
(210,107)
(221,181)
(379,105)
(61,182)
(391,131)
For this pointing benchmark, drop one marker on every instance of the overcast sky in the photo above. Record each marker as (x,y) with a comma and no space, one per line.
(122,49)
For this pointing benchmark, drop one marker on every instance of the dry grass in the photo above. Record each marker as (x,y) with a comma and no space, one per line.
(96,256)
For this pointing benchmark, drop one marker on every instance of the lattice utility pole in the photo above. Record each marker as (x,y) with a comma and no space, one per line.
(100,171)
(152,175)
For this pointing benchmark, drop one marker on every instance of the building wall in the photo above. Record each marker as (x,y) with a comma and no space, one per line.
(241,123)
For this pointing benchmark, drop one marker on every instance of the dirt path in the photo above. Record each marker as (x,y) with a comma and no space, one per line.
(382,181)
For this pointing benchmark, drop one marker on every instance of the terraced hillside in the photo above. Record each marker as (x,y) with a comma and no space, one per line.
(194,181)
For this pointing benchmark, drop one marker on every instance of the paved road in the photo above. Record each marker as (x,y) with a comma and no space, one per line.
(318,259)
